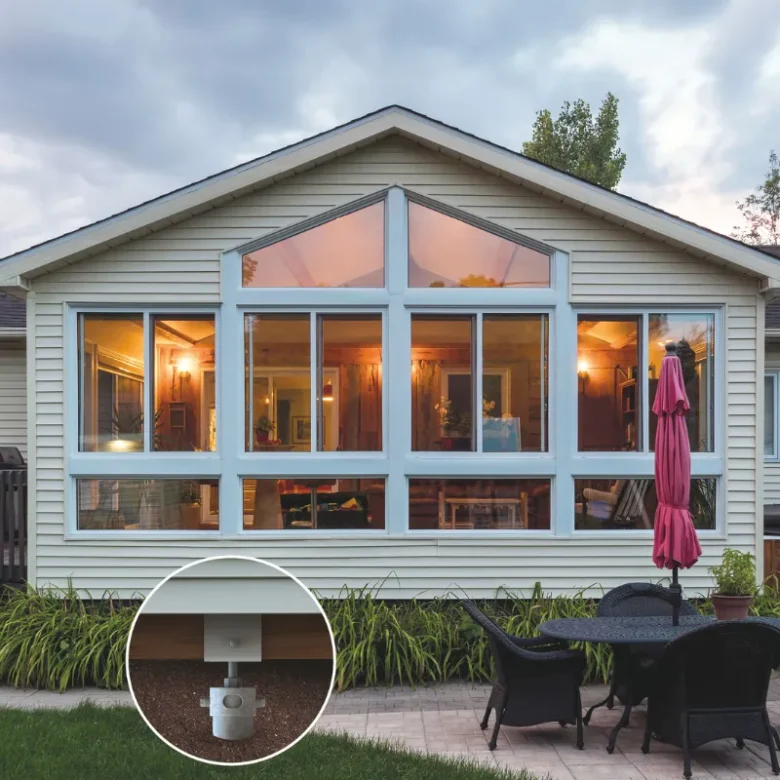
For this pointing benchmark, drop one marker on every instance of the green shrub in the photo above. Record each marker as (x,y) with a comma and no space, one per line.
(53,639)
(413,641)
(736,575)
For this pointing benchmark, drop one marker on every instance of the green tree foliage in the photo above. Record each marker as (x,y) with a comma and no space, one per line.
(578,144)
(761,209)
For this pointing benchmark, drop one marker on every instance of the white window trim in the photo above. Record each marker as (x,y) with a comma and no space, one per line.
(774,457)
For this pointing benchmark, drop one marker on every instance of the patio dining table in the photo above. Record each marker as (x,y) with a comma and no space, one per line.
(629,630)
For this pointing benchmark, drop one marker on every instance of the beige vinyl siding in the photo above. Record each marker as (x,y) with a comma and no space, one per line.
(13,394)
(772,467)
(610,266)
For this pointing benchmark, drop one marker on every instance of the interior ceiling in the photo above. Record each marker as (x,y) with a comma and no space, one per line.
(614,334)
(125,334)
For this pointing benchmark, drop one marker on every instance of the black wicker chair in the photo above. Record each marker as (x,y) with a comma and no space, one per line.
(712,684)
(537,680)
(632,664)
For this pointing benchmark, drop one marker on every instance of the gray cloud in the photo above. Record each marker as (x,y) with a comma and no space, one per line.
(107,104)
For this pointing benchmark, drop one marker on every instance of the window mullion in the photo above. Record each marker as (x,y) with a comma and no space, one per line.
(149,370)
(315,350)
(644,394)
(477,369)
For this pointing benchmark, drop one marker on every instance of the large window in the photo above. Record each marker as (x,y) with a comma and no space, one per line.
(609,388)
(449,252)
(391,367)
(629,503)
(510,382)
(347,251)
(612,382)
(343,361)
(306,503)
(147,504)
(479,504)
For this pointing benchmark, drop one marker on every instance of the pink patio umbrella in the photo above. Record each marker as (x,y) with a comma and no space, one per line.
(675,544)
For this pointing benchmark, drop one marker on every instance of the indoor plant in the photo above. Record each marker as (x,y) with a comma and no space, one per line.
(263,429)
(190,504)
(735,584)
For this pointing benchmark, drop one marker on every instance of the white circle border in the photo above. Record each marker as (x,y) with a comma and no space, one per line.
(232,558)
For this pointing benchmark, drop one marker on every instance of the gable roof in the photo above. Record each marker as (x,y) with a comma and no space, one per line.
(13,315)
(227,185)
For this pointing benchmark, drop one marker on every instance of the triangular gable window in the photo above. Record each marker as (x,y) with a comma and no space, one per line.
(348,251)
(448,252)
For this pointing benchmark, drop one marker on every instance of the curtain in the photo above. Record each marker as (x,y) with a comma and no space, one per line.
(360,407)
(426,391)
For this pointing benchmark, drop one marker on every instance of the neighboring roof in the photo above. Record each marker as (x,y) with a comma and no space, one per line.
(222,187)
(772,314)
(13,313)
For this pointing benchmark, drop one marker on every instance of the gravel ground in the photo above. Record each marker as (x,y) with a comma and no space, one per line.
(169,693)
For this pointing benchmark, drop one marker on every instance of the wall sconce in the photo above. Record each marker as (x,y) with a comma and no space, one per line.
(184,366)
(583,368)
(327,391)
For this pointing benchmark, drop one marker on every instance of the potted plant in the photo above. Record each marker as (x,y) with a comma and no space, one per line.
(735,585)
(190,503)
(264,427)
(455,429)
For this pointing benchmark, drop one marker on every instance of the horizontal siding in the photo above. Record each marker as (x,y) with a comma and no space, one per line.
(609,266)
(13,395)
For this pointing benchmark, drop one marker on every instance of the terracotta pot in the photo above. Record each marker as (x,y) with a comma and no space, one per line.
(262,436)
(731,607)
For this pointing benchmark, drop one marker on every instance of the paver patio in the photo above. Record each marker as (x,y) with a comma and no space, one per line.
(445,718)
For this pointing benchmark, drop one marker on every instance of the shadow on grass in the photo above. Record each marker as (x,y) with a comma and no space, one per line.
(94,743)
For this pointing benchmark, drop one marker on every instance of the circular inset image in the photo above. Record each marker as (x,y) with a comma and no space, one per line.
(230,660)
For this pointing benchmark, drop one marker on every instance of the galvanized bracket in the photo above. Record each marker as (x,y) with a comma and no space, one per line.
(232,638)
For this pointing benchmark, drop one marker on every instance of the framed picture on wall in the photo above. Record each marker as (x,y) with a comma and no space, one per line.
(301,430)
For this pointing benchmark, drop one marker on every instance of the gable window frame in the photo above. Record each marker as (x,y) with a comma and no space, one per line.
(148,463)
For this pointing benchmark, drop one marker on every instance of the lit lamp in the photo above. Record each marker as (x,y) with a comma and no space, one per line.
(582,372)
(327,391)
(184,366)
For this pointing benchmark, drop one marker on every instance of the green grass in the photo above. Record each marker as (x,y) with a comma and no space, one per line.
(89,743)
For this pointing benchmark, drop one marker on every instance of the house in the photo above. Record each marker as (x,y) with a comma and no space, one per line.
(13,387)
(391,353)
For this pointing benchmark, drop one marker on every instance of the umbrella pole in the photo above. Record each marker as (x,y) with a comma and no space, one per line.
(676,597)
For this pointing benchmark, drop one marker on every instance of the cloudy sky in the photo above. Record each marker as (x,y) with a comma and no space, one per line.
(106,104)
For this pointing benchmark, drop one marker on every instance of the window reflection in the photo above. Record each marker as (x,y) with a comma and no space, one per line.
(312,503)
(448,252)
(630,503)
(695,337)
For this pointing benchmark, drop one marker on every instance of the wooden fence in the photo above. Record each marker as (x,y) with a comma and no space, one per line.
(13,526)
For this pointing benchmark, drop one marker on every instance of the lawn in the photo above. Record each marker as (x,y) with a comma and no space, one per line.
(92,743)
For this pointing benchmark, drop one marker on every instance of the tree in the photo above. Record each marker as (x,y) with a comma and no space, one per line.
(577,144)
(761,209)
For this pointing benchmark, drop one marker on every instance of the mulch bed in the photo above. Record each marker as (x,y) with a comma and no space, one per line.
(169,693)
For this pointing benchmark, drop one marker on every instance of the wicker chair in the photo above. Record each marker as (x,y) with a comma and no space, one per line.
(712,684)
(632,664)
(537,680)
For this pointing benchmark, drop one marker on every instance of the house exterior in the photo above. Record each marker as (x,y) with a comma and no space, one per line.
(392,355)
(13,385)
